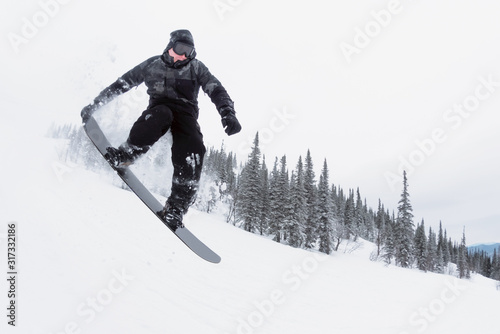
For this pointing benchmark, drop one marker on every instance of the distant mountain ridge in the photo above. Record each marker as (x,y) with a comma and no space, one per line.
(488,248)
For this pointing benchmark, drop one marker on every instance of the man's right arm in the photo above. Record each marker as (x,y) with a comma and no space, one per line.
(131,79)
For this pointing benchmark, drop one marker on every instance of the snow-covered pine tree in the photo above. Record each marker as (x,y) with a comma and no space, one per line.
(486,266)
(310,191)
(432,251)
(218,165)
(476,260)
(495,265)
(446,250)
(298,217)
(234,202)
(278,199)
(211,200)
(264,204)
(420,247)
(453,247)
(218,182)
(349,213)
(439,261)
(462,259)
(286,207)
(379,227)
(389,247)
(325,211)
(230,174)
(404,228)
(440,248)
(369,230)
(359,217)
(250,192)
(338,221)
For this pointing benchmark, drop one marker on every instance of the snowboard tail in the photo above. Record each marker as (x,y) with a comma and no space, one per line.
(100,141)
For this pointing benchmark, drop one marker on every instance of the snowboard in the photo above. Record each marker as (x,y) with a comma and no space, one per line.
(100,141)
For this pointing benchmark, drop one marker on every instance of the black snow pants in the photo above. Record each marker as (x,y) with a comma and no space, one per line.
(188,149)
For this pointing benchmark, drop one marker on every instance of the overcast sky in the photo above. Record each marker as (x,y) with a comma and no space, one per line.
(374,87)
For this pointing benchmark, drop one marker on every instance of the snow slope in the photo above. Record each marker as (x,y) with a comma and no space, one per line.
(93,259)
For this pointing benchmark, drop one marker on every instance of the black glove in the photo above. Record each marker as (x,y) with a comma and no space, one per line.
(88,111)
(230,122)
(115,89)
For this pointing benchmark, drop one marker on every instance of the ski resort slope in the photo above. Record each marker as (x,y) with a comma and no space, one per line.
(93,259)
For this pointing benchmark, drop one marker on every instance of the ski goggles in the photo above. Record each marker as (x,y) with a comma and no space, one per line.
(183,49)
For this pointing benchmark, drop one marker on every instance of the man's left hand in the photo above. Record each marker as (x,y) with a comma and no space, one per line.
(230,123)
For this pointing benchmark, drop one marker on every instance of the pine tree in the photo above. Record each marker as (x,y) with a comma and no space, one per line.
(380,227)
(250,194)
(234,202)
(359,216)
(298,218)
(486,266)
(453,248)
(439,261)
(310,191)
(230,174)
(349,213)
(286,207)
(404,228)
(264,204)
(475,260)
(274,202)
(389,248)
(462,261)
(431,251)
(220,168)
(279,200)
(495,265)
(440,250)
(340,229)
(420,247)
(369,223)
(446,250)
(325,211)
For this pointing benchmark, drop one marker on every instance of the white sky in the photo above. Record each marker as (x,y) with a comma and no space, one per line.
(281,61)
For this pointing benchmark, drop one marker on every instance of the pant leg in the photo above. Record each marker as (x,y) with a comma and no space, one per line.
(188,152)
(149,127)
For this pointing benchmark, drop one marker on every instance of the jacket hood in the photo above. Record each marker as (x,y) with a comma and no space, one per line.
(184,36)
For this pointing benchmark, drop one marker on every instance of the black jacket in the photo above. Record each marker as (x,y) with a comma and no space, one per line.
(175,84)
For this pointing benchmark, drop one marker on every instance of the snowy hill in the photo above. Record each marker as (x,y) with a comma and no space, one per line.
(93,259)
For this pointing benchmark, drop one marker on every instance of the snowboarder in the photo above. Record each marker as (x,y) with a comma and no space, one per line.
(173,81)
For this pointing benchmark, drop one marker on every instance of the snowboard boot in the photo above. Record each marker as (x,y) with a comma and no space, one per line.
(172,216)
(182,196)
(123,156)
(118,158)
